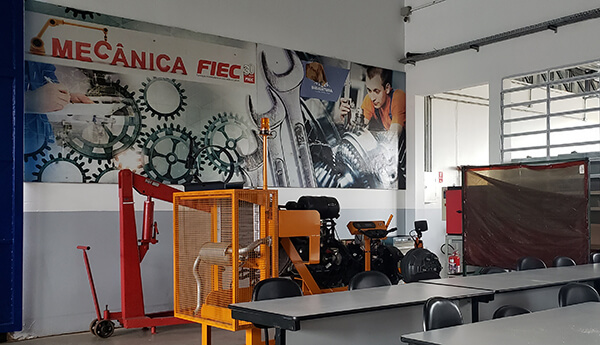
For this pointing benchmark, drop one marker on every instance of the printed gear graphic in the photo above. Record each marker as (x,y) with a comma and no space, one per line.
(102,172)
(224,156)
(39,151)
(76,13)
(147,107)
(357,170)
(226,131)
(68,159)
(117,142)
(166,150)
(325,175)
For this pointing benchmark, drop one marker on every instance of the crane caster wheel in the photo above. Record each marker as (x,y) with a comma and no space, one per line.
(93,326)
(104,328)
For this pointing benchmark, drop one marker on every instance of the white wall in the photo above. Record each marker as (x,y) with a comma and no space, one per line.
(457,21)
(459,137)
(373,33)
(357,31)
(60,216)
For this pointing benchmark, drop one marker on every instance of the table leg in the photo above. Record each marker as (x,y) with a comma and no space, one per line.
(279,336)
(474,310)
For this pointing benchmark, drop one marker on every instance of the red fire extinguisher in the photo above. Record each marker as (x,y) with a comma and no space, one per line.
(454,263)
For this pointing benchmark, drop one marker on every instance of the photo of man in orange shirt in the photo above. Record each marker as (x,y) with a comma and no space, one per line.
(383,107)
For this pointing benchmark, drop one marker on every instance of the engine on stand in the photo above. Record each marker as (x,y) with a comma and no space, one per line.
(340,259)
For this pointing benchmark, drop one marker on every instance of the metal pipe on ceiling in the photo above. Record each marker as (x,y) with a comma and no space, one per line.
(413,58)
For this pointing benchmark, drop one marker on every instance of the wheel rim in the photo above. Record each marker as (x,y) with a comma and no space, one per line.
(105,328)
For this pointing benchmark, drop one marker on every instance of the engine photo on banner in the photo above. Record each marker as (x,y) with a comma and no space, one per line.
(335,124)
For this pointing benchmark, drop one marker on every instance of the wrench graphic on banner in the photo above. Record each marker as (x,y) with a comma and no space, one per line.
(276,116)
(287,87)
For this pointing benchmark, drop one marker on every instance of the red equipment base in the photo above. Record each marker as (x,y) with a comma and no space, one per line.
(132,314)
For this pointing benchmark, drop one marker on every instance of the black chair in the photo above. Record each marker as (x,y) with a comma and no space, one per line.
(440,312)
(529,263)
(272,288)
(368,279)
(595,259)
(492,270)
(560,261)
(574,293)
(509,310)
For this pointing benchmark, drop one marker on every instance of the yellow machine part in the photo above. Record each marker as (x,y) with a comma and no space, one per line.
(225,242)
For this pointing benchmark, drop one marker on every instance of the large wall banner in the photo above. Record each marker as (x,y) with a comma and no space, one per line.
(335,123)
(100,98)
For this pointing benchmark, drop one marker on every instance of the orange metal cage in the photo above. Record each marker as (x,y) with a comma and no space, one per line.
(225,242)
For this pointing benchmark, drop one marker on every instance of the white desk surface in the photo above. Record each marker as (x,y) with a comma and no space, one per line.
(523,280)
(574,325)
(287,313)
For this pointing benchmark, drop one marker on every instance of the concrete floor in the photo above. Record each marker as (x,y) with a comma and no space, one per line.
(167,335)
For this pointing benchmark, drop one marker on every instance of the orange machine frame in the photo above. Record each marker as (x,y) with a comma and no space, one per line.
(211,313)
(375,225)
(279,225)
(303,223)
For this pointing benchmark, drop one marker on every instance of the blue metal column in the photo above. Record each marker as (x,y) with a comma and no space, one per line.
(11,167)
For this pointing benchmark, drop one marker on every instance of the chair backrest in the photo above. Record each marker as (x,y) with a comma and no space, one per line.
(509,310)
(492,270)
(368,279)
(560,261)
(595,258)
(440,312)
(272,288)
(574,293)
(529,263)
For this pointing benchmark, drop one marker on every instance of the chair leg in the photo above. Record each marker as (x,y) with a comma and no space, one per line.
(266,333)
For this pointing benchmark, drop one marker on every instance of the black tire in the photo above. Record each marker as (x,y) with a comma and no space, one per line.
(93,326)
(105,328)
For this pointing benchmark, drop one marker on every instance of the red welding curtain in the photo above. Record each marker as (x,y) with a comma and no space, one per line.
(511,211)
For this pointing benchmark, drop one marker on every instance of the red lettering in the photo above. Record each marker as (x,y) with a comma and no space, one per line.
(152,61)
(97,51)
(160,65)
(222,69)
(82,48)
(64,52)
(120,56)
(202,65)
(178,66)
(232,69)
(137,60)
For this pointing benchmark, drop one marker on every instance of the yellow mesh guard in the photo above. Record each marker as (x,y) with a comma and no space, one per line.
(213,266)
